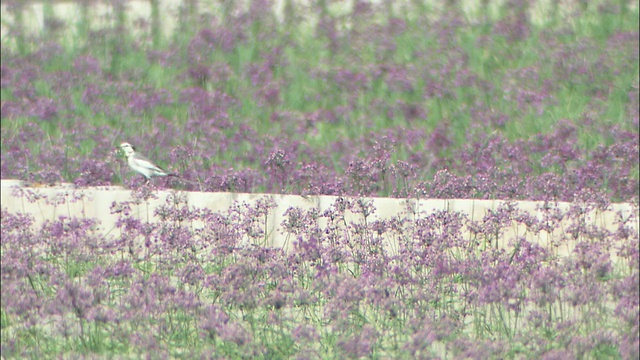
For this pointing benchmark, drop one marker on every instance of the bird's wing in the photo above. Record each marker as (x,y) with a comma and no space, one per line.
(143,162)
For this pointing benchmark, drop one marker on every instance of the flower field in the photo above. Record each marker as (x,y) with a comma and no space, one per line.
(415,101)
(449,288)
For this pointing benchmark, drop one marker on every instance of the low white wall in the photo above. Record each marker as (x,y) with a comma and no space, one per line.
(48,203)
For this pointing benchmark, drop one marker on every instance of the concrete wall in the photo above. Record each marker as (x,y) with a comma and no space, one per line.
(49,203)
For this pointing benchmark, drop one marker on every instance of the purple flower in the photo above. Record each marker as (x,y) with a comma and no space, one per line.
(361,344)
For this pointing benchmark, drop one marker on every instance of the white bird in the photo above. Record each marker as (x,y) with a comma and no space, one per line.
(141,164)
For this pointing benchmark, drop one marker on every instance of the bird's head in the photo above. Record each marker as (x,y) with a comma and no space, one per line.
(127,149)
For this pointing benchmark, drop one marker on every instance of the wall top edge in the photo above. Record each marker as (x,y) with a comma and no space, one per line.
(11,184)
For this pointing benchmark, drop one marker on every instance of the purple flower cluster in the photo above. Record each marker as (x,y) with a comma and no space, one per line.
(402,107)
(438,285)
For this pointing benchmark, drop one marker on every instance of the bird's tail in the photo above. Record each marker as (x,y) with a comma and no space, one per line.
(181,178)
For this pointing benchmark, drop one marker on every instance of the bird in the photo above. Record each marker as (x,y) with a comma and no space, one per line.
(141,164)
